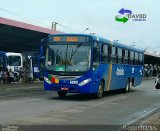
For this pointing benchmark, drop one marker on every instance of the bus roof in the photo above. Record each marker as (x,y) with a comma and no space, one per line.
(123,46)
(97,38)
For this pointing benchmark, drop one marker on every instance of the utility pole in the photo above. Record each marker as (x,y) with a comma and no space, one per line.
(54,25)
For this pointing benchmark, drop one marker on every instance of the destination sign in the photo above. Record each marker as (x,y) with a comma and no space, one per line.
(70,39)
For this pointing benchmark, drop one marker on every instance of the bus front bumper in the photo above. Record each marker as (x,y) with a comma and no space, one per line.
(85,89)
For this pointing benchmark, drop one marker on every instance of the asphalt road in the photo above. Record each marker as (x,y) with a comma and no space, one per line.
(31,105)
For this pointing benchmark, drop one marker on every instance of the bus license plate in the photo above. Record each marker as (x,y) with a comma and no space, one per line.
(64,89)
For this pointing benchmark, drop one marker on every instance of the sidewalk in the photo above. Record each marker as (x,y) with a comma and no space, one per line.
(152,120)
(14,86)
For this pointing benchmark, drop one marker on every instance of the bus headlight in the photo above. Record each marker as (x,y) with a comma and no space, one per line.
(84,82)
(47,80)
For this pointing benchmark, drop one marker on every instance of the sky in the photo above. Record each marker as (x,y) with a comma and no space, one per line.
(74,16)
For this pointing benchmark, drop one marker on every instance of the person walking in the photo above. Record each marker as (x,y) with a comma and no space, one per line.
(5,76)
(157,83)
(11,76)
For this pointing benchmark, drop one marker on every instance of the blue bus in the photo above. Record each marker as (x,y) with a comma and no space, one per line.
(38,67)
(41,58)
(36,63)
(41,61)
(79,63)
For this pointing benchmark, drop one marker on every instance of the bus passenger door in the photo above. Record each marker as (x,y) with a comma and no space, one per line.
(97,71)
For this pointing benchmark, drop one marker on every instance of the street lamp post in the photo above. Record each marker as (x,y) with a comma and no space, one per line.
(133,45)
(85,30)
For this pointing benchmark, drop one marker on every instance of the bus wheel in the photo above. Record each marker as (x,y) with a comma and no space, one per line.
(100,92)
(128,87)
(62,94)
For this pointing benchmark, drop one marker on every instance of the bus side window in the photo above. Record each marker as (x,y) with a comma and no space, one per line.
(119,54)
(113,55)
(131,57)
(109,53)
(125,56)
(140,59)
(136,58)
(104,57)
(96,54)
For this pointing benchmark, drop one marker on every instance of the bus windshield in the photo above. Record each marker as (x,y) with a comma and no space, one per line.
(68,57)
(14,60)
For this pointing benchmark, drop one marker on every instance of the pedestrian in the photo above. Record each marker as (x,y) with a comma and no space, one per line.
(22,75)
(11,76)
(157,83)
(148,72)
(151,70)
(1,73)
(5,76)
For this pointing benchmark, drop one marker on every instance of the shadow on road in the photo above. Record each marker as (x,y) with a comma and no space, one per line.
(88,97)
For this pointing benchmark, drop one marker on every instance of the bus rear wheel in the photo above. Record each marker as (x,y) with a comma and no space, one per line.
(127,89)
(62,94)
(100,91)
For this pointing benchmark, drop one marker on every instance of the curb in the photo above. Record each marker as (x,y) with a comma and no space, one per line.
(138,121)
(144,117)
(19,87)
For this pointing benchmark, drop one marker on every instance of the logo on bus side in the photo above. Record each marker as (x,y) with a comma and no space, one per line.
(120,71)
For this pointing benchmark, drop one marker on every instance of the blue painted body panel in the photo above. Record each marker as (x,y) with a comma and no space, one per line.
(117,81)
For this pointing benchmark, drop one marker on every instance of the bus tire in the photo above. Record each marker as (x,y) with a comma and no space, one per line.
(62,94)
(127,89)
(100,91)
